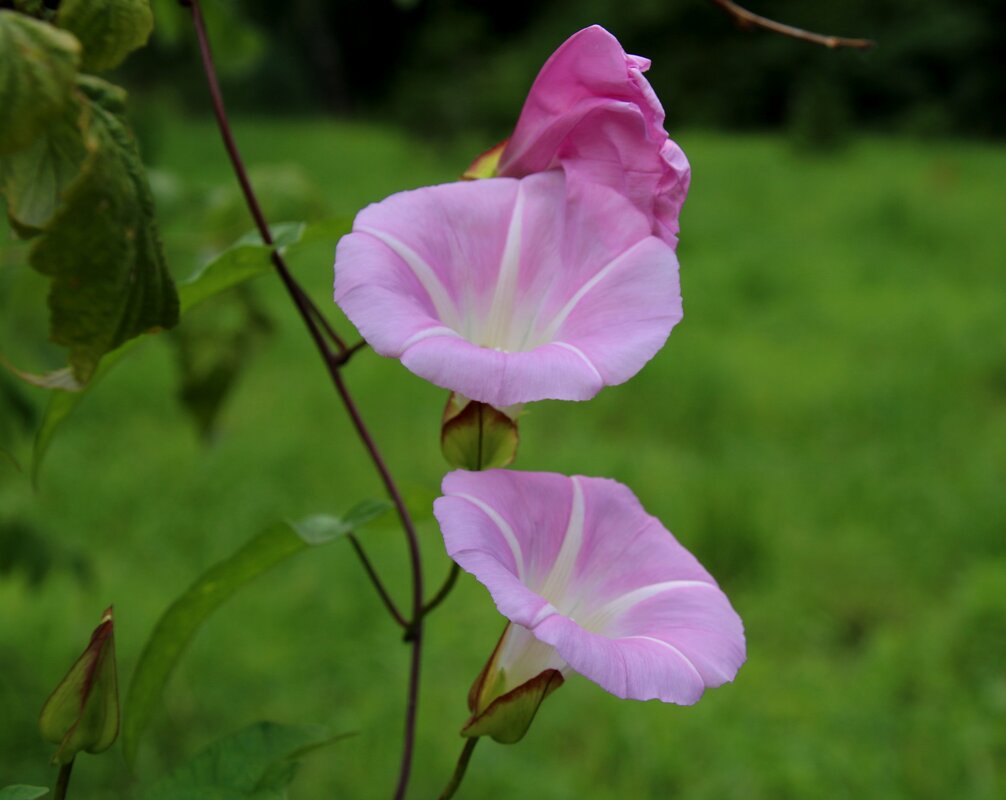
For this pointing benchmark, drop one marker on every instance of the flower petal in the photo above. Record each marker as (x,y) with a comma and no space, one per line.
(510,291)
(636,668)
(588,70)
(579,565)
(591,112)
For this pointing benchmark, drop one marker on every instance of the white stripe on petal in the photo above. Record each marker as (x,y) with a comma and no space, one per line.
(547,610)
(673,649)
(600,275)
(501,312)
(613,609)
(438,330)
(424,274)
(504,528)
(557,582)
(581,354)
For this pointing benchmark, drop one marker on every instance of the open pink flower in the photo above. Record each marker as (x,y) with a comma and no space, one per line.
(509,291)
(591,583)
(591,111)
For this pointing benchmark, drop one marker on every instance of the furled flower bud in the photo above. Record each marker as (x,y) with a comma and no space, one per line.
(592,113)
(82,714)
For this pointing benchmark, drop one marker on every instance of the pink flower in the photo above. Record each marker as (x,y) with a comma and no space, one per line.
(509,291)
(591,112)
(591,583)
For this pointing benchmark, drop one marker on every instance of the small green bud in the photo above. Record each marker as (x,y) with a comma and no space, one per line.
(83,712)
(476,436)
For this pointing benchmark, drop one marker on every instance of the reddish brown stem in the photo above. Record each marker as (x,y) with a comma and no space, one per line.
(333,361)
(63,781)
(376,580)
(747,18)
(444,590)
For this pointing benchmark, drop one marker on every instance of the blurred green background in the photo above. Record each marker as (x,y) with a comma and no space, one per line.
(826,429)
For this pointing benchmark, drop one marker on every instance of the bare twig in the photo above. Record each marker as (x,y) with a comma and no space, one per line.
(349,352)
(376,580)
(444,590)
(326,326)
(747,19)
(310,316)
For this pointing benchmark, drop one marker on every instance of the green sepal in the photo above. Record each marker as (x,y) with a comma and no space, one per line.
(507,718)
(476,436)
(485,165)
(38,64)
(109,30)
(82,714)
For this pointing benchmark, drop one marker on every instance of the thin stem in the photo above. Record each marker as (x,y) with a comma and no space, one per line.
(332,363)
(220,111)
(459,770)
(747,18)
(322,320)
(444,590)
(452,575)
(355,348)
(415,629)
(375,579)
(63,781)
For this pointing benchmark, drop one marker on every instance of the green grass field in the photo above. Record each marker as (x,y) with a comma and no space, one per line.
(826,430)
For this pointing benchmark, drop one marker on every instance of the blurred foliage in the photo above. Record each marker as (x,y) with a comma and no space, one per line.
(444,66)
(71,178)
(26,551)
(180,622)
(256,763)
(212,349)
(825,430)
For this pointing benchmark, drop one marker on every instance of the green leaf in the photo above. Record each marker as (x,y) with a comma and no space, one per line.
(38,64)
(110,97)
(322,528)
(175,629)
(103,252)
(22,792)
(258,762)
(247,258)
(109,30)
(82,713)
(36,178)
